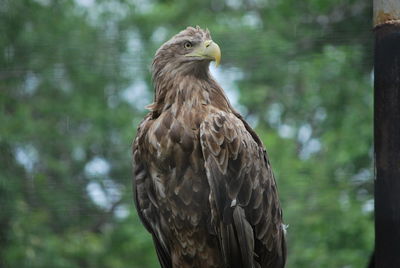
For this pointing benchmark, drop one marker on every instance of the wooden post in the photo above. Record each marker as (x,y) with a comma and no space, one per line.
(387,133)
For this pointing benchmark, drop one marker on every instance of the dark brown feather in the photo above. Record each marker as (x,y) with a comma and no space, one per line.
(203,185)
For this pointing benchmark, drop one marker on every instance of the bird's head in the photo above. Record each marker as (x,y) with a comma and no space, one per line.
(188,52)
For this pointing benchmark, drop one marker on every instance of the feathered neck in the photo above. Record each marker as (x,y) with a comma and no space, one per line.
(193,88)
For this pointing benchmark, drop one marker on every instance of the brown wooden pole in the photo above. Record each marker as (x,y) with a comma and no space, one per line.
(387,133)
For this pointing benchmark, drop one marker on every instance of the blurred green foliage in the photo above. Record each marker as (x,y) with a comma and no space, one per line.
(74,80)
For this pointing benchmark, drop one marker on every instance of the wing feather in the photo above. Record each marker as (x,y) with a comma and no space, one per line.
(245,235)
(145,200)
(247,214)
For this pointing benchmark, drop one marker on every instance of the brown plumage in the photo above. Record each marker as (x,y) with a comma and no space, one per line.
(203,184)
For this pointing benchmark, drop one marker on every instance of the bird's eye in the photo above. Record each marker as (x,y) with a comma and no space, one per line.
(188,44)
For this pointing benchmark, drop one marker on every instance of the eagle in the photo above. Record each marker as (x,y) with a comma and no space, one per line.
(203,184)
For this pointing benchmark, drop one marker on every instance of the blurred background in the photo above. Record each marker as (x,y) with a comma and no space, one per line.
(74,80)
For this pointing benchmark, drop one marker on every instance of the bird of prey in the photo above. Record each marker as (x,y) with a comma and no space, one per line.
(203,183)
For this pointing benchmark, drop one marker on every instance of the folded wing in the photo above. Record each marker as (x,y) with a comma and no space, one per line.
(246,212)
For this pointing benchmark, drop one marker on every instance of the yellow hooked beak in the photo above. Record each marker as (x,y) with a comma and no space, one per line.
(208,50)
